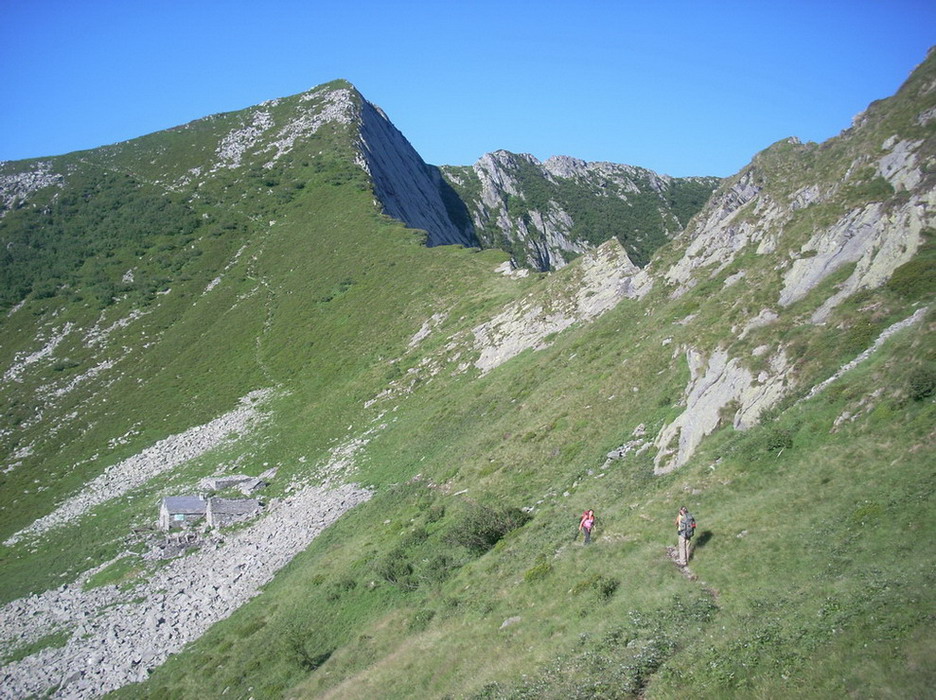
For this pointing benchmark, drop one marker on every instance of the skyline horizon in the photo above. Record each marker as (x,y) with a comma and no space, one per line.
(680,90)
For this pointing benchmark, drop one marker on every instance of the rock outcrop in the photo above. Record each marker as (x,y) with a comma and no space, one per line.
(547,213)
(716,384)
(408,189)
(605,277)
(717,234)
(878,237)
(870,208)
(17,186)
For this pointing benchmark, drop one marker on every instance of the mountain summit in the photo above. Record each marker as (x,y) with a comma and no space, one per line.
(544,215)
(322,125)
(260,440)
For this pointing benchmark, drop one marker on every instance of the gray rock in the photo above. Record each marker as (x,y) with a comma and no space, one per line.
(408,188)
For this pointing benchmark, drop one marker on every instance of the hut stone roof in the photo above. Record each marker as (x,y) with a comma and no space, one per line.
(238,506)
(185,504)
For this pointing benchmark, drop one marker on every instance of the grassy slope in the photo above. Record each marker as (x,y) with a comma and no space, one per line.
(810,574)
(807,575)
(812,578)
(280,318)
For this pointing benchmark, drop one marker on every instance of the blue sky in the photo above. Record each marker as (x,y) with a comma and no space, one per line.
(683,87)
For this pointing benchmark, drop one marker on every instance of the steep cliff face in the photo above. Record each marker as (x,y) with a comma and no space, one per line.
(544,214)
(408,189)
(264,143)
(855,210)
(547,213)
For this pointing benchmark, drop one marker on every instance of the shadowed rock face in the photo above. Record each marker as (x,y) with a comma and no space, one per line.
(408,188)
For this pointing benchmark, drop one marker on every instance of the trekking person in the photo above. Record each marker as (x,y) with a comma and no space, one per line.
(586,524)
(685,529)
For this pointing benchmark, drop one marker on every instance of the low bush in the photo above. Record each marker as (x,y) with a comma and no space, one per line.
(602,586)
(478,527)
(922,383)
(302,647)
(395,569)
(421,619)
(914,279)
(537,572)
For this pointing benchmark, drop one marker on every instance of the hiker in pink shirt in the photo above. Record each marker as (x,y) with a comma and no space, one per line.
(586,524)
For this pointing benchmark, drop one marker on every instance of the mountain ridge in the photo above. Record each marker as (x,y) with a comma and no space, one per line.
(546,213)
(427,199)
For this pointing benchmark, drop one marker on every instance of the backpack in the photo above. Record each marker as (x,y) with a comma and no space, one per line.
(688,526)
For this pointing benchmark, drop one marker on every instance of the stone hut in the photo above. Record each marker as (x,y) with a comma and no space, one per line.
(181,511)
(224,511)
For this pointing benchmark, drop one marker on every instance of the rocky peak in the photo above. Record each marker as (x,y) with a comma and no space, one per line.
(275,128)
(547,213)
(877,175)
(565,166)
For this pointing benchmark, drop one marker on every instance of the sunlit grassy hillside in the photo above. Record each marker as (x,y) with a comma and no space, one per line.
(462,576)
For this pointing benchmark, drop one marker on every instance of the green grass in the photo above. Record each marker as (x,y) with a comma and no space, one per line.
(121,573)
(50,641)
(461,577)
(799,550)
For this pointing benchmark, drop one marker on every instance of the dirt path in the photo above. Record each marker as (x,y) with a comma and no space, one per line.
(689,574)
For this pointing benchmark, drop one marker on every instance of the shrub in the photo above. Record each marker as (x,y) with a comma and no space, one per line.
(914,279)
(435,513)
(873,189)
(606,586)
(437,568)
(777,439)
(301,647)
(396,570)
(859,336)
(421,619)
(765,439)
(538,572)
(337,588)
(478,528)
(922,383)
(602,586)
